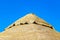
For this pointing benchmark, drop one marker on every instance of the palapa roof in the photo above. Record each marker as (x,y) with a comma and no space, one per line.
(30,27)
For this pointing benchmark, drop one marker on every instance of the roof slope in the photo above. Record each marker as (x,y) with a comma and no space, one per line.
(30,18)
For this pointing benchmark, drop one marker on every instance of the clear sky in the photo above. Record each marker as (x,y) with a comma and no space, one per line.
(11,10)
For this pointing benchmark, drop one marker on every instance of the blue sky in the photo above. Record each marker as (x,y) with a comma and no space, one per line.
(11,10)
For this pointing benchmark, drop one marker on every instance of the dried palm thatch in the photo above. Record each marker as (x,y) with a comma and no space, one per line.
(30,27)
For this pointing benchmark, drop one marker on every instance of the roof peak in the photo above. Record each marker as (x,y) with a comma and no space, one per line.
(31,13)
